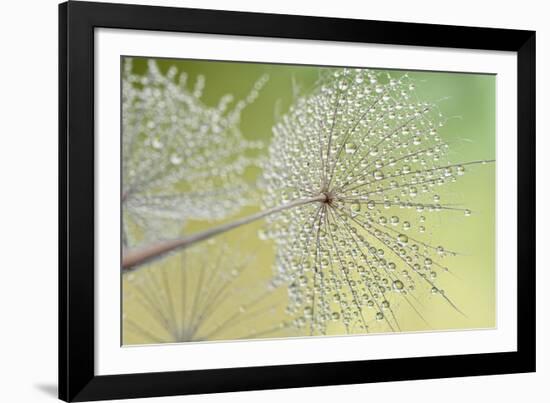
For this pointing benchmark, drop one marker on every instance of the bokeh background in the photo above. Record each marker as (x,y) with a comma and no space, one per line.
(468,100)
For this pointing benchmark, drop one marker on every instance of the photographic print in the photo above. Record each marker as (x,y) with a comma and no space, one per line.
(272,201)
(290,201)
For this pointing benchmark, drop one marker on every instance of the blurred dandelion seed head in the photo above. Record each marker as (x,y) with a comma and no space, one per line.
(201,294)
(182,159)
(366,142)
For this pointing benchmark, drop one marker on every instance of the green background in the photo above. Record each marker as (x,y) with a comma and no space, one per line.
(468,100)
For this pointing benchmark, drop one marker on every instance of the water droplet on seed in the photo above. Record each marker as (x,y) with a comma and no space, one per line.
(378,175)
(398,285)
(402,239)
(350,148)
(175,159)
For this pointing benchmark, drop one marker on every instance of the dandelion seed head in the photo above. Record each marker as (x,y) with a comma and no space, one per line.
(201,294)
(371,151)
(182,158)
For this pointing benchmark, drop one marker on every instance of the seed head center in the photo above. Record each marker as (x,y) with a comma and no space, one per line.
(329,197)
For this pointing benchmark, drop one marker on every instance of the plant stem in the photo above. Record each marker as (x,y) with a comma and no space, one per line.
(139,256)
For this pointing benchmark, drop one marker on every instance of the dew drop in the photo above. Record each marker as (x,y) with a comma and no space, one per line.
(175,159)
(402,239)
(398,285)
(378,175)
(157,144)
(262,234)
(350,148)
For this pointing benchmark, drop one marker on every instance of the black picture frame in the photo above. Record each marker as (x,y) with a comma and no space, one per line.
(77,379)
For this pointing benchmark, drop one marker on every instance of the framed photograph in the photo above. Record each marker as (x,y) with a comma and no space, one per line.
(257,201)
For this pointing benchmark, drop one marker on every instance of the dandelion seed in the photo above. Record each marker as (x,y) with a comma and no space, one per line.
(181,158)
(199,295)
(359,139)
